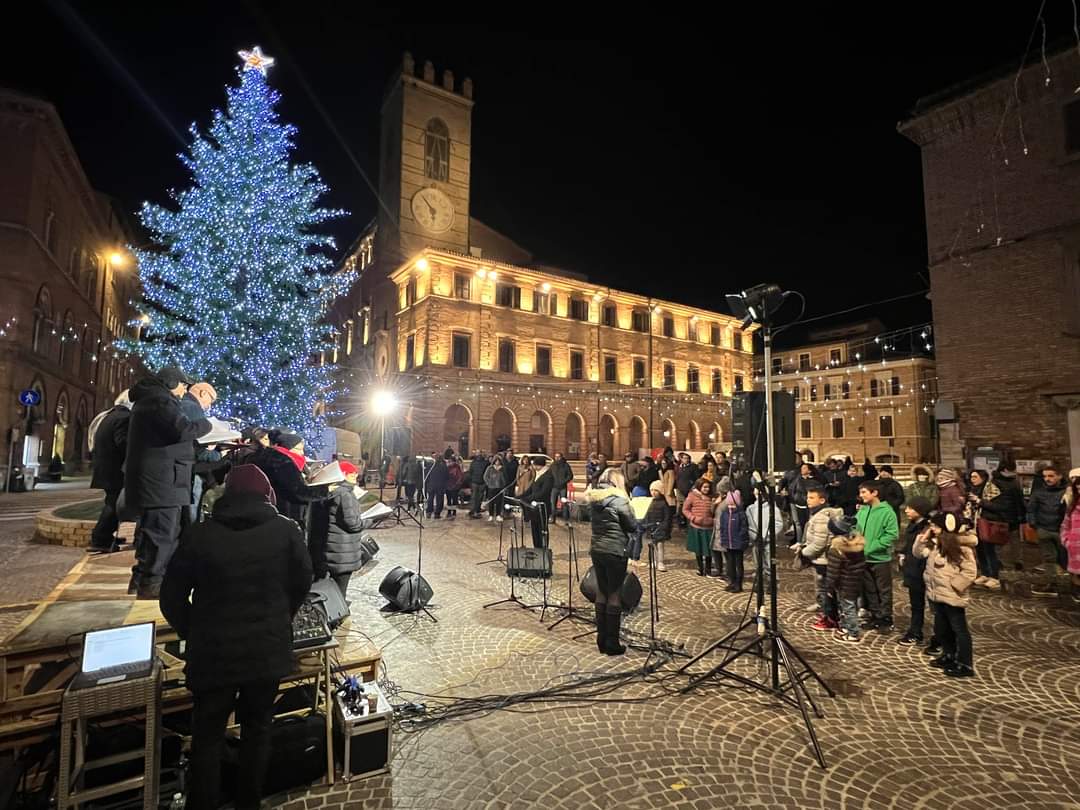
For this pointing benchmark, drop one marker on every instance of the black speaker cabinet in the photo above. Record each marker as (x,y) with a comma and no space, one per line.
(629,595)
(748,436)
(405,589)
(529,562)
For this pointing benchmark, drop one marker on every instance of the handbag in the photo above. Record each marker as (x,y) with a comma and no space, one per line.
(993,532)
(1030,534)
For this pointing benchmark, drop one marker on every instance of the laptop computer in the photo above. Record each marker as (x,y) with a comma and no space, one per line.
(116,654)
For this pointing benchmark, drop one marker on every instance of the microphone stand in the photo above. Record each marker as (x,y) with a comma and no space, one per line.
(513,598)
(500,558)
(573,574)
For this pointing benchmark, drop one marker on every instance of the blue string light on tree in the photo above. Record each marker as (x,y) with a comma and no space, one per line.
(239,284)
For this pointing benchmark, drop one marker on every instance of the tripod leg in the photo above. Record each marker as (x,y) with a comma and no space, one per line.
(828,689)
(781,648)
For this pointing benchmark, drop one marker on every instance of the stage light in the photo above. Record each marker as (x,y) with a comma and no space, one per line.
(383,403)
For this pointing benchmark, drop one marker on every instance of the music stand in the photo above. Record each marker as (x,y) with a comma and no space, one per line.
(513,598)
(573,574)
(500,558)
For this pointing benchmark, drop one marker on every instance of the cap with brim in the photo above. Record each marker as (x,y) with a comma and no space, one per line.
(172,376)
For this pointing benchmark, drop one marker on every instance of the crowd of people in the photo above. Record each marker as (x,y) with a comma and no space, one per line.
(229,539)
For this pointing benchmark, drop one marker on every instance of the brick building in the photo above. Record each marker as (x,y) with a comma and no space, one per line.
(487,346)
(1001,170)
(67,281)
(862,392)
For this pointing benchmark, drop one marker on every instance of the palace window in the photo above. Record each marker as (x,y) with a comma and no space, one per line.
(410,292)
(437,151)
(738,382)
(577,365)
(714,334)
(508,295)
(717,382)
(737,337)
(669,326)
(579,309)
(462,286)
(827,392)
(506,355)
(894,386)
(813,393)
(805,429)
(874,387)
(834,358)
(669,376)
(639,372)
(838,427)
(846,390)
(610,316)
(543,360)
(542,303)
(804,362)
(611,369)
(885,426)
(461,350)
(640,320)
(777,365)
(693,380)
(410,352)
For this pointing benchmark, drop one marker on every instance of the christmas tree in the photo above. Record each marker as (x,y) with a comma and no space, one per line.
(236,291)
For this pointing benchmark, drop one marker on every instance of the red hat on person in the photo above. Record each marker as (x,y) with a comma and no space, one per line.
(248,478)
(348,468)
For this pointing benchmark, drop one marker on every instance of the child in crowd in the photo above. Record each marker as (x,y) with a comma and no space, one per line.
(917,511)
(950,573)
(730,537)
(814,548)
(698,509)
(658,522)
(844,575)
(1070,530)
(877,524)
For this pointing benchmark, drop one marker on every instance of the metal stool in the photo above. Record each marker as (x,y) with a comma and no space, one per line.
(141,694)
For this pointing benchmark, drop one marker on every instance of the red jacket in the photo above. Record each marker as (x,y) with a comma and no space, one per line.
(698,509)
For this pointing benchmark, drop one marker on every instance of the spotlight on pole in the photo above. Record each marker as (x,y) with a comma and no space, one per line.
(383,403)
(756,304)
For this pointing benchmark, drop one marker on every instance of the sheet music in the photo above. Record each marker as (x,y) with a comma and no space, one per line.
(220,431)
(377,511)
(330,474)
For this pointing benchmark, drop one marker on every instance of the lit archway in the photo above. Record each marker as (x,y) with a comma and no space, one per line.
(457,429)
(716,435)
(574,437)
(669,434)
(693,436)
(609,430)
(502,429)
(539,432)
(638,432)
(60,424)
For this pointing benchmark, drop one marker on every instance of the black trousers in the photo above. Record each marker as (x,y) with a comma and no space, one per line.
(156,538)
(952,631)
(916,588)
(254,705)
(104,534)
(877,585)
(538,525)
(735,567)
(342,581)
(410,493)
(610,572)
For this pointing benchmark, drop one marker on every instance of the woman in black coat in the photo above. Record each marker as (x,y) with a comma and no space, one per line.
(282,465)
(335,532)
(231,591)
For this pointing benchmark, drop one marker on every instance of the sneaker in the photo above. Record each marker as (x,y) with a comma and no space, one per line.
(1043,591)
(884,626)
(1039,569)
(933,648)
(823,623)
(661,567)
(848,638)
(491,519)
(908,639)
(980,580)
(942,662)
(863,613)
(871,624)
(992,584)
(499,519)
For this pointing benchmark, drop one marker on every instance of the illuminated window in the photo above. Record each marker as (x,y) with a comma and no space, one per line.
(738,341)
(714,334)
(640,320)
(669,326)
(507,295)
(838,427)
(462,286)
(739,382)
(805,429)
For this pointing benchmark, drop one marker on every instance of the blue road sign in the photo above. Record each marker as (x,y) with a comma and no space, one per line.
(29,397)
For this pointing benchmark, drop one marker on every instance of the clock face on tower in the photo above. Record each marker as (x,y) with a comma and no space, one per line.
(433,210)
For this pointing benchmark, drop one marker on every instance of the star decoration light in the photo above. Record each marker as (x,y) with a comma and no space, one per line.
(255,59)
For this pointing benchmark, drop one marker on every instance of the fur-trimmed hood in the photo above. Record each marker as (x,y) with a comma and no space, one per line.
(848,545)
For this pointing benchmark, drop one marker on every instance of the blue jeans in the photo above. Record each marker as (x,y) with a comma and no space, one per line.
(824,601)
(849,616)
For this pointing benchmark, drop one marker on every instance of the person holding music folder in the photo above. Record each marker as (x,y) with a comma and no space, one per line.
(231,591)
(334,538)
(283,464)
(613,523)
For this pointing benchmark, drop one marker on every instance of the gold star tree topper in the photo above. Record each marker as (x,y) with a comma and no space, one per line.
(255,59)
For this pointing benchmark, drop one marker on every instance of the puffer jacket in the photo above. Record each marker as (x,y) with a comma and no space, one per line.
(1045,507)
(816,535)
(612,521)
(477,469)
(846,563)
(658,519)
(730,529)
(946,582)
(493,479)
(697,508)
(334,539)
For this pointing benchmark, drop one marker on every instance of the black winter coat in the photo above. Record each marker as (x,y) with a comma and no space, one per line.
(476,470)
(334,539)
(1008,507)
(913,566)
(292,494)
(540,491)
(438,477)
(110,450)
(846,563)
(1045,509)
(892,493)
(563,473)
(510,468)
(685,478)
(160,449)
(246,571)
(658,519)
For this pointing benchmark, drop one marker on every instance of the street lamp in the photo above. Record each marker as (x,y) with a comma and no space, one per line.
(383,403)
(117,259)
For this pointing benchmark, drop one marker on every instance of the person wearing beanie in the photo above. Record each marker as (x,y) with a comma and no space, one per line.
(658,522)
(283,463)
(844,575)
(334,537)
(951,495)
(231,591)
(730,538)
(917,510)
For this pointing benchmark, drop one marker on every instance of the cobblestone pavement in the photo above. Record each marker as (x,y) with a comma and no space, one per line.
(30,570)
(899,735)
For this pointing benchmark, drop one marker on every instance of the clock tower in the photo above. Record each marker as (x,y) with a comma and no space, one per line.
(424,164)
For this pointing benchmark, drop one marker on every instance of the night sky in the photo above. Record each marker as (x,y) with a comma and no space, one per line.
(678,160)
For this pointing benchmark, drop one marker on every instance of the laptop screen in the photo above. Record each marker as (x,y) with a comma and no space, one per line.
(117,645)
